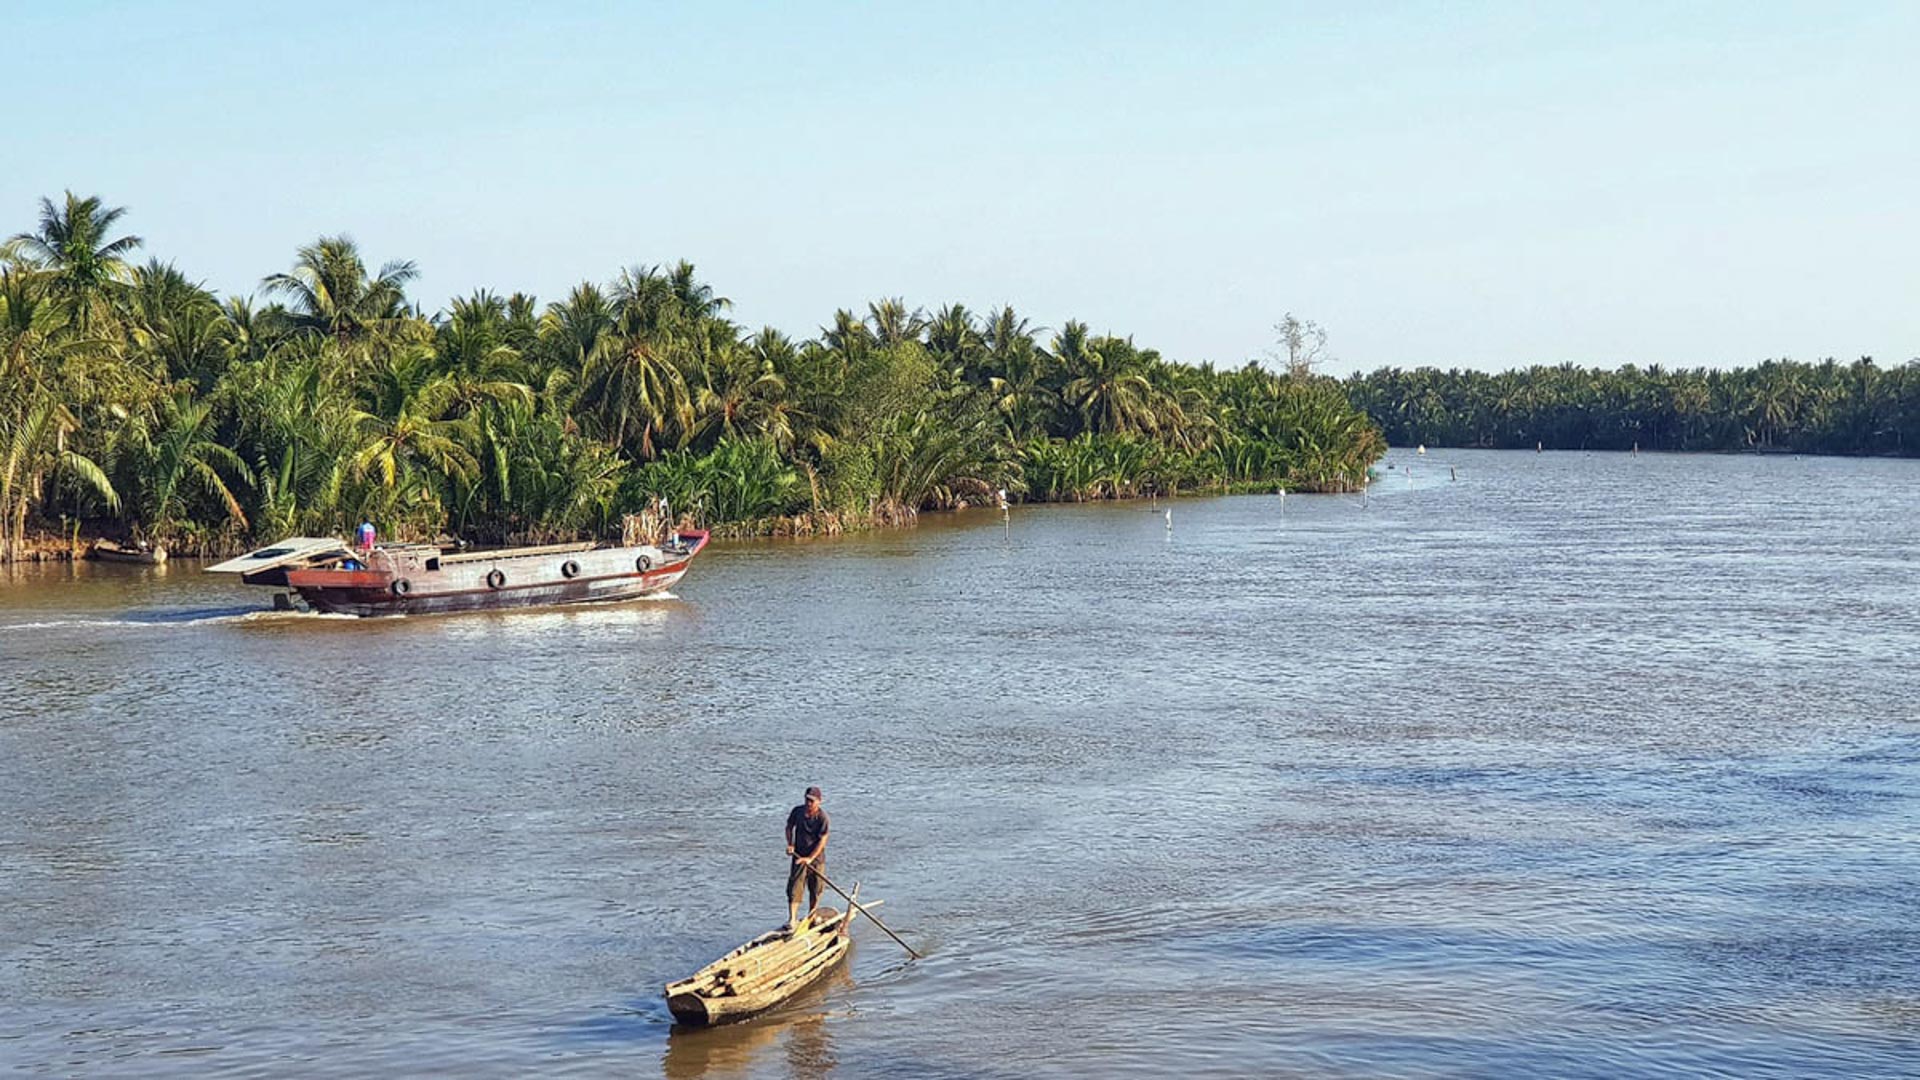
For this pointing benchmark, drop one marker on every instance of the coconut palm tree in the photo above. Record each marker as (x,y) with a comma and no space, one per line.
(329,292)
(166,460)
(31,322)
(177,325)
(298,425)
(742,396)
(848,336)
(33,437)
(571,334)
(1105,384)
(84,267)
(402,427)
(632,386)
(697,299)
(471,345)
(955,342)
(892,323)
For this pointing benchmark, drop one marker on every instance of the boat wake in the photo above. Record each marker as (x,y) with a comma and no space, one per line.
(250,616)
(165,619)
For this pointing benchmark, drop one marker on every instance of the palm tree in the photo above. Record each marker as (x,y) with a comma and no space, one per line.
(30,324)
(955,341)
(893,324)
(1105,385)
(402,426)
(246,339)
(848,336)
(632,387)
(329,292)
(71,246)
(177,325)
(536,481)
(649,301)
(697,298)
(572,333)
(1019,373)
(298,426)
(471,345)
(743,396)
(33,436)
(166,460)
(922,455)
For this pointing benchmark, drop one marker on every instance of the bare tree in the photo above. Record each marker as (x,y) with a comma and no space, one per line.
(1301,345)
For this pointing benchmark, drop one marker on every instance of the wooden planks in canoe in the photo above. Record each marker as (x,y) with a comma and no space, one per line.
(762,973)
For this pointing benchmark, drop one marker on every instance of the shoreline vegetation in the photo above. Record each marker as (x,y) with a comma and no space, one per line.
(1858,409)
(136,404)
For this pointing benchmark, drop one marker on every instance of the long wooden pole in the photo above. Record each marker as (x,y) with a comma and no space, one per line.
(857,906)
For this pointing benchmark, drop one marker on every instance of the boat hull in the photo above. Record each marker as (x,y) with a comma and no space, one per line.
(155,557)
(422,580)
(762,973)
(379,599)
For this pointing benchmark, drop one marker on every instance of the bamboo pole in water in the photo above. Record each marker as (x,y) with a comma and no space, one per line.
(857,906)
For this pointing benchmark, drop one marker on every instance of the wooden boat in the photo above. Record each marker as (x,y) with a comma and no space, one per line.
(425,579)
(765,971)
(110,551)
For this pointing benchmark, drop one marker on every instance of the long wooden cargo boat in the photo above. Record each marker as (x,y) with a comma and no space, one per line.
(424,579)
(764,972)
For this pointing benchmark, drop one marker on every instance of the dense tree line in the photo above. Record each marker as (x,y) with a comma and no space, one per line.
(136,401)
(1824,408)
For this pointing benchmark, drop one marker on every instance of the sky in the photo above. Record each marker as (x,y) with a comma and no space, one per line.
(1481,185)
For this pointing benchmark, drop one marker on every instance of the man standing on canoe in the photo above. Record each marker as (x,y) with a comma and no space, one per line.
(807,845)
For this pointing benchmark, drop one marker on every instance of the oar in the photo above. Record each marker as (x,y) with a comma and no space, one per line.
(861,908)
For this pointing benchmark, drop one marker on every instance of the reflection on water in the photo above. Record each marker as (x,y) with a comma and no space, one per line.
(799,1029)
(1577,765)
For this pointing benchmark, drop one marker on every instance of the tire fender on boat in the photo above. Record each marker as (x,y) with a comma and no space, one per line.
(402,587)
(570,569)
(643,564)
(496,579)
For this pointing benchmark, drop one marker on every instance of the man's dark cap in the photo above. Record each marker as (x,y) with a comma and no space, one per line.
(813,793)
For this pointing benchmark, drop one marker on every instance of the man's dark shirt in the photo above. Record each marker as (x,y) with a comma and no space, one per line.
(807,831)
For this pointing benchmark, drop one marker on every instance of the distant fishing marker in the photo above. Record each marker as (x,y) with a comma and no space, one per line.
(1169,519)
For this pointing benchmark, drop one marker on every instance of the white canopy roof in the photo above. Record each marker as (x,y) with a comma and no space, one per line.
(292,549)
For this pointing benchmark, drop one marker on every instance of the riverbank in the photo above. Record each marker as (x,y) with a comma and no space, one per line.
(501,418)
(829,523)
(50,547)
(44,546)
(1853,409)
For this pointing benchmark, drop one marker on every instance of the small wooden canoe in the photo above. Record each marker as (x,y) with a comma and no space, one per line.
(764,972)
(108,551)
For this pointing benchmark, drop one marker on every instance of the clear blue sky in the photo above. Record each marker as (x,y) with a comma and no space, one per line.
(1477,184)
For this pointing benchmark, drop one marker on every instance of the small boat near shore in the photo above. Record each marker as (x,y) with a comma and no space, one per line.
(141,554)
(427,579)
(765,971)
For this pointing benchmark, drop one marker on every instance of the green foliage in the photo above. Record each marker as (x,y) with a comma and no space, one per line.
(1825,408)
(738,480)
(537,481)
(172,469)
(136,399)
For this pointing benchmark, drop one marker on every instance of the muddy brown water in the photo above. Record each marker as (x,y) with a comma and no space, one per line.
(1577,765)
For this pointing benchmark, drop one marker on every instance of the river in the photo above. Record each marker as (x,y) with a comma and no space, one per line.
(1521,764)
